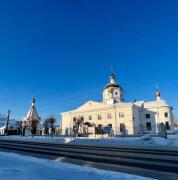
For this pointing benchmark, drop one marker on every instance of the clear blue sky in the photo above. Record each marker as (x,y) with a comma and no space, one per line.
(61,52)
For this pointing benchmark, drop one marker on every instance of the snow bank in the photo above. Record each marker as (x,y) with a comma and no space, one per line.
(145,141)
(18,167)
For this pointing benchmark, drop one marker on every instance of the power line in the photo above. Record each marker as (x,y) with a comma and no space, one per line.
(70,99)
(116,27)
(83,97)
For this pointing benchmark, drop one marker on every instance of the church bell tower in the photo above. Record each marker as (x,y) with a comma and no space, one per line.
(113,92)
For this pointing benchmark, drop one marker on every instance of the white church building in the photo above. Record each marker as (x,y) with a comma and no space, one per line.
(130,118)
(31,117)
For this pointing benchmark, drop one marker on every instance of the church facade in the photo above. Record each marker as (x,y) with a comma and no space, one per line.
(123,118)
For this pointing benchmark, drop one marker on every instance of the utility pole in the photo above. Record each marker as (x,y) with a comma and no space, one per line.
(7,123)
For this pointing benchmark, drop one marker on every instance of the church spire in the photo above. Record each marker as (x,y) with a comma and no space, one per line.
(32,113)
(158,94)
(112,79)
(33,101)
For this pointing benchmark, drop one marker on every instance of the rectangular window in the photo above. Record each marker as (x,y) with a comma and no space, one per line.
(166,114)
(90,117)
(147,116)
(148,126)
(110,125)
(99,116)
(121,115)
(109,116)
(167,126)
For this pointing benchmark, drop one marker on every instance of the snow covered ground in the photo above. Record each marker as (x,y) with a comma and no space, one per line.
(20,167)
(145,141)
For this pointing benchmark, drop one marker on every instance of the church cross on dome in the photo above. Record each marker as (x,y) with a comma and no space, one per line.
(158,94)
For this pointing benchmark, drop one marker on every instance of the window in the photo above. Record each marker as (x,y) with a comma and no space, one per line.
(121,115)
(147,116)
(99,116)
(116,93)
(148,126)
(109,116)
(74,119)
(90,117)
(166,114)
(167,126)
(110,125)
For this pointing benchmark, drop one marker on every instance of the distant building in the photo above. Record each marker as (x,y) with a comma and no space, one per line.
(122,118)
(13,127)
(31,117)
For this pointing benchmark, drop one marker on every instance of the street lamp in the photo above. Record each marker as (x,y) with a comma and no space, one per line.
(7,123)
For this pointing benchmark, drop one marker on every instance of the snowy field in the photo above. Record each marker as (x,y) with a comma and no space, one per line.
(145,141)
(19,167)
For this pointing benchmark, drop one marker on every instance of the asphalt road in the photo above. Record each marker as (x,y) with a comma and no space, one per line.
(155,163)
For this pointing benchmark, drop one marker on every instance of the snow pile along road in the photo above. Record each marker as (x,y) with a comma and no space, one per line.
(19,167)
(145,141)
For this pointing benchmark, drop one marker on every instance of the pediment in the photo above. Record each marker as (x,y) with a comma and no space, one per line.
(90,105)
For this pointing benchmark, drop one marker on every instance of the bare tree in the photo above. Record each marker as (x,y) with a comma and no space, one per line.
(46,126)
(78,122)
(34,123)
(20,128)
(51,120)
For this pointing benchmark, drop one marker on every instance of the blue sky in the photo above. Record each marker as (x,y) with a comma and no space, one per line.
(61,52)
